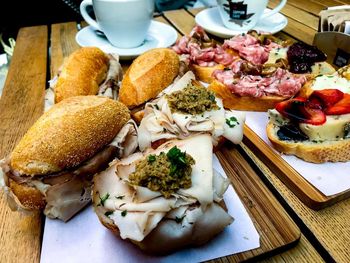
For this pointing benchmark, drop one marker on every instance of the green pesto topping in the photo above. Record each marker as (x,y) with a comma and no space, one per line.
(166,173)
(192,100)
(232,122)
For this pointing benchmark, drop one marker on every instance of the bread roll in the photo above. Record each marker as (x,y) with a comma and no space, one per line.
(82,73)
(71,132)
(148,75)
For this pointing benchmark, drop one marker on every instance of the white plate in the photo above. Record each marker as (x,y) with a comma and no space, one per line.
(159,35)
(210,20)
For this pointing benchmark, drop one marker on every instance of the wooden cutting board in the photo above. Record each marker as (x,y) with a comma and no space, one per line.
(305,191)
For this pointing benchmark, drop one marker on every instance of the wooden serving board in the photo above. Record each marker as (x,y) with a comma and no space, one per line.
(305,191)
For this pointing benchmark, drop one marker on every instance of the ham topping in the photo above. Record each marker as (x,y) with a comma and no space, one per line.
(280,83)
(201,50)
(250,48)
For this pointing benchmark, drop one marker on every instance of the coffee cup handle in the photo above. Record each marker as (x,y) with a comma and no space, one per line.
(275,10)
(86,16)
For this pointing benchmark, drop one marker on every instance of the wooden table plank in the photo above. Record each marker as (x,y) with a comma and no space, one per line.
(308,6)
(20,105)
(183,20)
(296,14)
(62,44)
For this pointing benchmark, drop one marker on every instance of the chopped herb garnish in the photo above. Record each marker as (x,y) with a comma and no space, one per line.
(176,156)
(103,199)
(212,97)
(232,122)
(120,197)
(124,213)
(108,213)
(151,158)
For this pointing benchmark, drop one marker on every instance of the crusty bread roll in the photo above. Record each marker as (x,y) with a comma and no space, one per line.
(68,134)
(52,166)
(148,75)
(82,73)
(232,101)
(28,196)
(310,151)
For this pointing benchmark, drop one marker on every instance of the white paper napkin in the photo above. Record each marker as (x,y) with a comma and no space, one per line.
(329,178)
(84,239)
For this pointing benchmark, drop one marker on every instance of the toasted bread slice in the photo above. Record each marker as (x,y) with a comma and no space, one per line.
(205,73)
(315,152)
(235,102)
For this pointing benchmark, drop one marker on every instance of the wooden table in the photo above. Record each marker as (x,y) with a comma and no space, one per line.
(325,233)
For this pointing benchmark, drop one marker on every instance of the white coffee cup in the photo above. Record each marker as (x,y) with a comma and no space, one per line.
(243,15)
(124,22)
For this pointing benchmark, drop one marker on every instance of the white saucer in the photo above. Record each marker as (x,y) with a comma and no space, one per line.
(210,20)
(159,35)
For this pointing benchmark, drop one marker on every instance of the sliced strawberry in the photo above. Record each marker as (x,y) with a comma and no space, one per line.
(328,97)
(291,108)
(313,116)
(299,110)
(341,107)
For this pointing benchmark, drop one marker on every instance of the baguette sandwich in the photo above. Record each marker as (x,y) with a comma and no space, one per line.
(186,108)
(51,167)
(87,71)
(316,125)
(139,199)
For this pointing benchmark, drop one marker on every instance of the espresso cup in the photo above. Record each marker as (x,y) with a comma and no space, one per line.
(124,22)
(243,15)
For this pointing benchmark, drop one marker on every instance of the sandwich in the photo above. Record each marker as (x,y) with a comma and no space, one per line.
(315,126)
(147,76)
(165,199)
(87,71)
(186,108)
(51,167)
